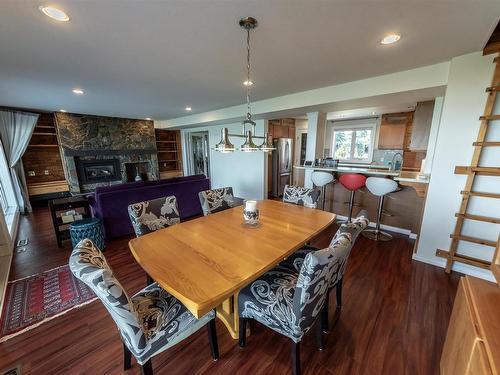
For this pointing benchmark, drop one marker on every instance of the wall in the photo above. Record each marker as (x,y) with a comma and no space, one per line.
(463,104)
(96,137)
(245,172)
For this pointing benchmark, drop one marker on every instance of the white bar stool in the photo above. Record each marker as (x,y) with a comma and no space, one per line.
(321,179)
(380,187)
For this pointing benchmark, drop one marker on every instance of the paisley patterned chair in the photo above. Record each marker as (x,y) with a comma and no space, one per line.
(290,302)
(149,322)
(294,261)
(302,196)
(149,216)
(216,200)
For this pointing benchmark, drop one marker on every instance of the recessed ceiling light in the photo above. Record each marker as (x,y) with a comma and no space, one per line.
(248,83)
(188,109)
(148,118)
(62,110)
(54,13)
(374,113)
(390,39)
(78,91)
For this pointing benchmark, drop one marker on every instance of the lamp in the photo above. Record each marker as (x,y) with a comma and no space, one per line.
(247,23)
(224,146)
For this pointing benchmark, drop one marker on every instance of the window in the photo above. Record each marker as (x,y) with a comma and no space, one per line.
(353,143)
(3,199)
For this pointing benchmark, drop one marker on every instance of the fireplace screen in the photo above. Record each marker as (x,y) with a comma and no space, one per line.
(95,171)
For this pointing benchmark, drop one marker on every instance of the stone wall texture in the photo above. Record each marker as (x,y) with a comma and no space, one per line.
(91,137)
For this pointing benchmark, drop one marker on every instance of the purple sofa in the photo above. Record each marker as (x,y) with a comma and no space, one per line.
(110,203)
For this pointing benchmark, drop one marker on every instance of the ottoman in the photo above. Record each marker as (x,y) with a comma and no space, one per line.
(90,228)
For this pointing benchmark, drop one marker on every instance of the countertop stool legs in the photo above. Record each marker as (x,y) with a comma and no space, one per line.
(351,182)
(322,179)
(380,187)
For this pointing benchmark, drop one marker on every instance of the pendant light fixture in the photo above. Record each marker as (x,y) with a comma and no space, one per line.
(247,23)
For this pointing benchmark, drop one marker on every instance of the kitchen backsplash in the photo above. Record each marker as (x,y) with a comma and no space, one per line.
(384,157)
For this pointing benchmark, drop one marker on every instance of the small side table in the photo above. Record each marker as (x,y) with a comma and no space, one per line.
(65,204)
(90,228)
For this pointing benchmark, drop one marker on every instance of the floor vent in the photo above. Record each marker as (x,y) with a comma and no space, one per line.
(20,243)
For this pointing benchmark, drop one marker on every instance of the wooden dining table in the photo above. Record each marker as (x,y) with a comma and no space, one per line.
(205,262)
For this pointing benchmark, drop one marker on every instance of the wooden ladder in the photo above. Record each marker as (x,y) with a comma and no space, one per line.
(472,171)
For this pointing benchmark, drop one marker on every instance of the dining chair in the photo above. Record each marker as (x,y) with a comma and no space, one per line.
(290,302)
(295,261)
(301,196)
(149,322)
(216,200)
(149,216)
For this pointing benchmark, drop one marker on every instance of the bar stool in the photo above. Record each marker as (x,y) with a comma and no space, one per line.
(321,179)
(380,187)
(352,182)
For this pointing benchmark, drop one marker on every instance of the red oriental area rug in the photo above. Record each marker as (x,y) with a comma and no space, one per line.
(34,300)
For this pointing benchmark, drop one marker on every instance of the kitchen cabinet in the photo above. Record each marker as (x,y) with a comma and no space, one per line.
(392,131)
(472,344)
(421,127)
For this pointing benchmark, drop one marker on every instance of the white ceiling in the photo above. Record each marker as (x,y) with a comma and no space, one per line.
(153,58)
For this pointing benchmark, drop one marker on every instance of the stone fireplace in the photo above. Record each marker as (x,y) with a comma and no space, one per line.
(101,151)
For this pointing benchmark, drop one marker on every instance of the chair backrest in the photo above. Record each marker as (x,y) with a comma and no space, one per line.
(320,178)
(149,216)
(301,196)
(314,280)
(216,200)
(353,229)
(88,264)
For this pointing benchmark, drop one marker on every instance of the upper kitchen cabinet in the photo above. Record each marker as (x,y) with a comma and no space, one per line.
(422,120)
(392,130)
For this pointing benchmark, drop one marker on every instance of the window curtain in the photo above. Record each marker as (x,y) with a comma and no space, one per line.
(16,129)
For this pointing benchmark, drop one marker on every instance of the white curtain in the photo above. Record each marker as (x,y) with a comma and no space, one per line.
(16,129)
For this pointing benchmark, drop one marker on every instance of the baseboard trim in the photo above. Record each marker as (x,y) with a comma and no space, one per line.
(457,267)
(390,228)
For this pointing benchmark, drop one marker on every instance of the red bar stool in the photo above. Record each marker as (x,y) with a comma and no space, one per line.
(352,182)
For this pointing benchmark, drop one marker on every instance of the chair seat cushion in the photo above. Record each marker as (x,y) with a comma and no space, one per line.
(269,300)
(165,320)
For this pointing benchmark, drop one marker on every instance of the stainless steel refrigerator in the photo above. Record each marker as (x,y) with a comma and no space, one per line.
(282,165)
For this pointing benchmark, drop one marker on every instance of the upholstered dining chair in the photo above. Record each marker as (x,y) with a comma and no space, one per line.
(149,322)
(290,302)
(216,200)
(149,216)
(302,196)
(295,261)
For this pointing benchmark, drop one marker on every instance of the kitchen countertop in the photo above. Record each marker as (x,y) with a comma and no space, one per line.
(402,176)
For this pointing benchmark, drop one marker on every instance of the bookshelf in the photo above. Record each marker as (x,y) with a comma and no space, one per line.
(168,144)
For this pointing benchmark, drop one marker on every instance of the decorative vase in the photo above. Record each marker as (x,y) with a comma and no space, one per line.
(251,213)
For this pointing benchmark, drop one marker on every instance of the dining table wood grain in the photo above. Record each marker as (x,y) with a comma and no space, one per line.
(205,262)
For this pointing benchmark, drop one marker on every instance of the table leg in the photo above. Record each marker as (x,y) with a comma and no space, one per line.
(227,312)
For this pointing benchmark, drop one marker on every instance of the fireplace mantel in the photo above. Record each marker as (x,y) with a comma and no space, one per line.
(79,152)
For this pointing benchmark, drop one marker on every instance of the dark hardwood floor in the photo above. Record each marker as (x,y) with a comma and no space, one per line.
(393,321)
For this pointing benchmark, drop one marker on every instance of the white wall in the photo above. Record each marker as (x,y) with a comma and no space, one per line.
(463,104)
(245,172)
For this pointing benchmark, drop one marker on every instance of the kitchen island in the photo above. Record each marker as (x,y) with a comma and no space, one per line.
(403,209)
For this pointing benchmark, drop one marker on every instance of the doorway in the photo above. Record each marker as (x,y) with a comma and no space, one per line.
(199,155)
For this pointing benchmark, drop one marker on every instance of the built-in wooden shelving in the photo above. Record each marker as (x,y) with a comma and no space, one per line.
(168,144)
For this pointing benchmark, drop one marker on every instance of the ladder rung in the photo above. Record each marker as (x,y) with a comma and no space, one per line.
(490,117)
(485,171)
(486,144)
(486,219)
(464,259)
(479,241)
(480,194)
(493,88)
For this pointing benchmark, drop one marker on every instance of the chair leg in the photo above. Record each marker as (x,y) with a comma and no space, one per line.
(319,334)
(243,332)
(339,294)
(147,368)
(324,313)
(127,358)
(212,339)
(296,358)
